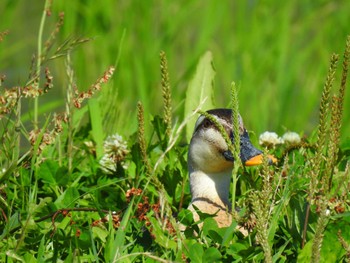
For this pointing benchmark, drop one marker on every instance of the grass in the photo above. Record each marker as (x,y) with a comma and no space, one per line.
(68,192)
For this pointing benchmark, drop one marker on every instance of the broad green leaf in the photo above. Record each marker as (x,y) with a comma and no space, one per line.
(212,254)
(228,235)
(64,223)
(62,176)
(100,233)
(235,248)
(200,88)
(47,172)
(12,223)
(30,258)
(4,176)
(160,235)
(196,253)
(209,224)
(68,198)
(332,250)
(185,217)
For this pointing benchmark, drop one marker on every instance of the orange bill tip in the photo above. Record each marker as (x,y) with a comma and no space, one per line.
(258,159)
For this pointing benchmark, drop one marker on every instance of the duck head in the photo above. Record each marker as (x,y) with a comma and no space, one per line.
(209,151)
(210,162)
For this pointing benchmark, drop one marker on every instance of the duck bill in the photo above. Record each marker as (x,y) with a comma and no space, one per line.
(251,156)
(258,159)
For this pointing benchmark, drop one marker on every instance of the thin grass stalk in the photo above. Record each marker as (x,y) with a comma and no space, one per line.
(262,205)
(69,111)
(323,130)
(235,147)
(166,93)
(333,146)
(261,228)
(33,190)
(17,147)
(319,231)
(110,121)
(142,138)
(267,187)
(331,158)
(346,61)
(337,112)
(143,147)
(39,59)
(322,127)
(345,245)
(266,206)
(59,150)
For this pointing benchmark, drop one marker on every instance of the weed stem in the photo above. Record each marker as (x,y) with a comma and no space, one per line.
(38,63)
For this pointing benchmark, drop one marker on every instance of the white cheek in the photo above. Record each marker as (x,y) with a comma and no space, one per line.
(213,137)
(202,152)
(206,151)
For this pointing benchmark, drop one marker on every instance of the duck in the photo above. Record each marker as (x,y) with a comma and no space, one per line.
(210,165)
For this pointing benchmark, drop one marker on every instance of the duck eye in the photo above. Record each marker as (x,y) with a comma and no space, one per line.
(206,123)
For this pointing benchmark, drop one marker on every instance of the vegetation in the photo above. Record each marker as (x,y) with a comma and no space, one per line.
(94,174)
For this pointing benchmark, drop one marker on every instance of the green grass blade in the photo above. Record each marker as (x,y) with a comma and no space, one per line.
(41,250)
(119,241)
(93,246)
(96,126)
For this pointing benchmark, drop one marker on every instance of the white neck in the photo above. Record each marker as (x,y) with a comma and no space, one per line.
(215,187)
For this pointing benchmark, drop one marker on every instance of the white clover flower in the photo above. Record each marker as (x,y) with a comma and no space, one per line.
(270,139)
(116,147)
(291,138)
(108,165)
(115,150)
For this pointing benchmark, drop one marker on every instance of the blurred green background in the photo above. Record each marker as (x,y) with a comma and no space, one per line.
(276,51)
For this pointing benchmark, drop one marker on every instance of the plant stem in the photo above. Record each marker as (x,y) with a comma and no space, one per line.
(234,185)
(38,63)
(17,147)
(305,225)
(235,146)
(319,232)
(69,111)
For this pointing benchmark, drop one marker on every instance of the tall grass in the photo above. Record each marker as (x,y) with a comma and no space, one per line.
(271,51)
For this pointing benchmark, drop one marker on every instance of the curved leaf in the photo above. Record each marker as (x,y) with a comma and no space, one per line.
(199,89)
